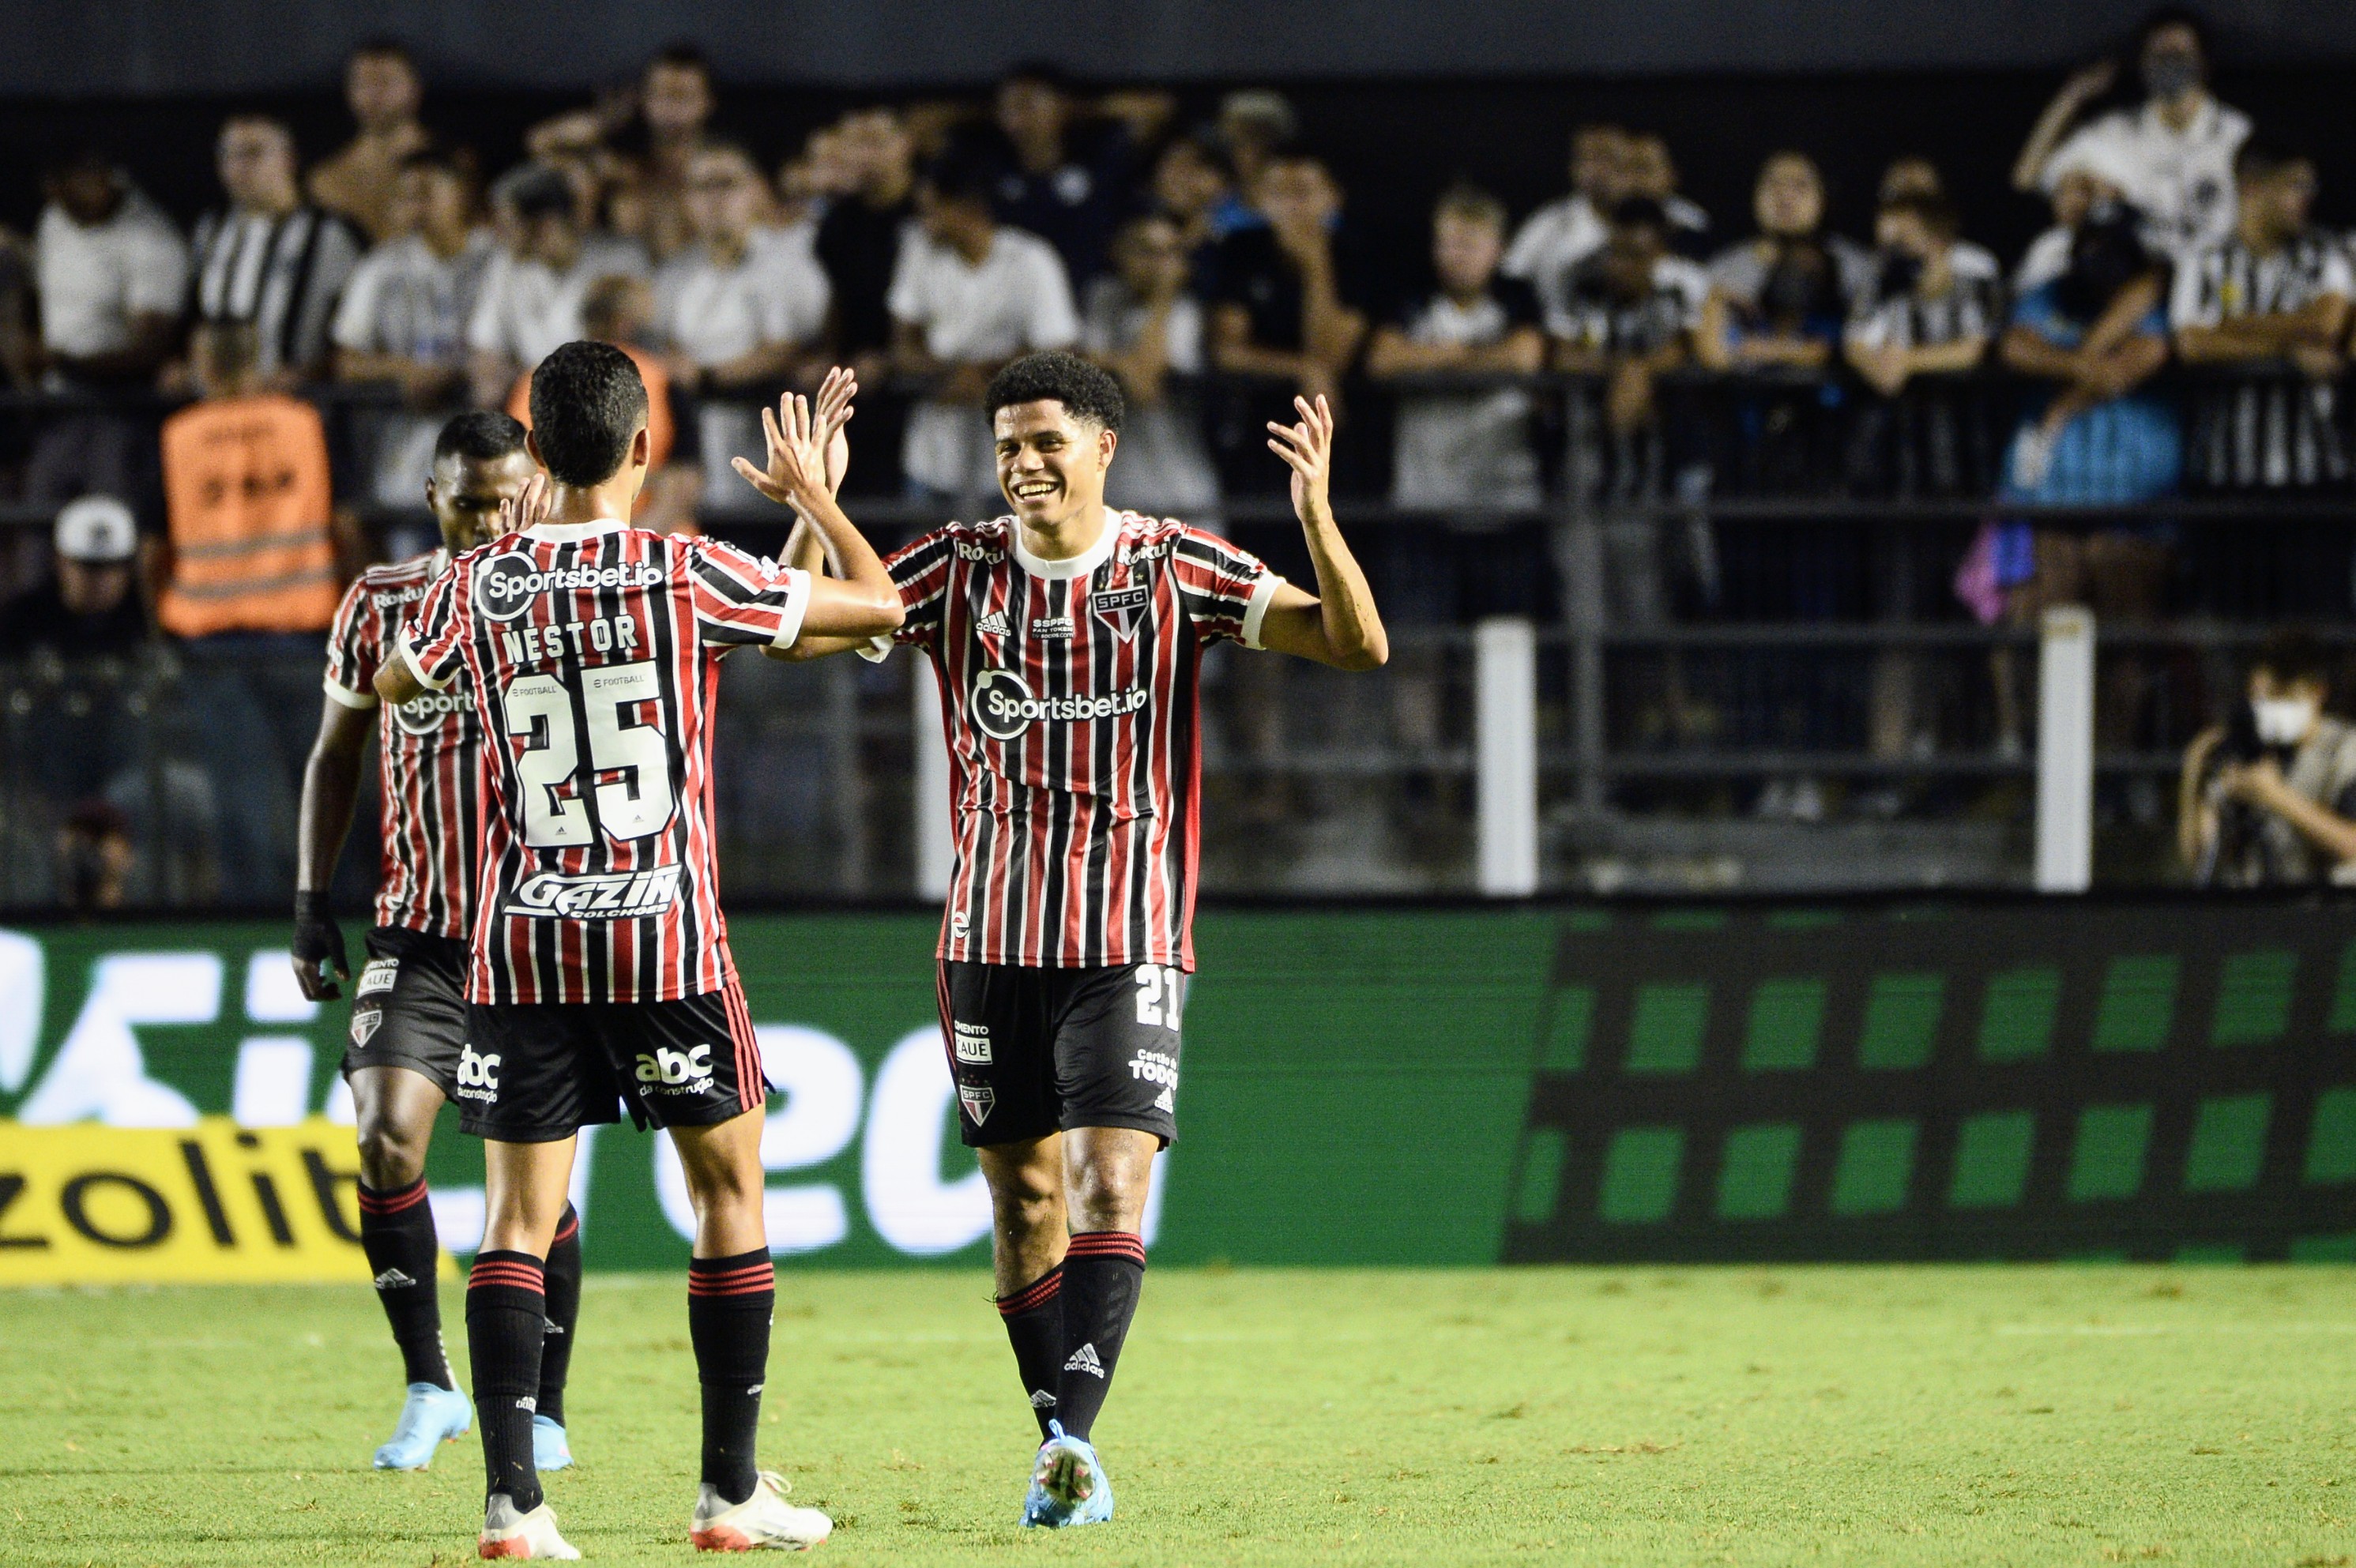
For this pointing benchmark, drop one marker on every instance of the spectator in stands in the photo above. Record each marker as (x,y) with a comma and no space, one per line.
(1291,306)
(1779,299)
(1935,307)
(381,88)
(250,584)
(533,289)
(1566,231)
(620,309)
(859,238)
(91,607)
(1061,177)
(1647,169)
(111,272)
(2269,798)
(2172,157)
(2097,335)
(1256,125)
(1142,325)
(644,184)
(1912,175)
(967,295)
(1629,313)
(2277,290)
(403,320)
(2075,194)
(1193,187)
(269,259)
(740,309)
(95,858)
(1464,449)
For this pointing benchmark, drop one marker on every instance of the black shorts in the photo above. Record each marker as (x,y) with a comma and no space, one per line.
(409,1005)
(534,1073)
(1037,1050)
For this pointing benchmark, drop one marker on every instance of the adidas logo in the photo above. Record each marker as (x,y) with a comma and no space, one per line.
(528,1402)
(1084,1359)
(1042,1400)
(1165,1100)
(993,624)
(393,1279)
(551,1325)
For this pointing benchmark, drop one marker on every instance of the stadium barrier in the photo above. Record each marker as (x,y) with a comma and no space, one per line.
(1362,1086)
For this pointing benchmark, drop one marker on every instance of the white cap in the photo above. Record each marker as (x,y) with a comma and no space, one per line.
(97,528)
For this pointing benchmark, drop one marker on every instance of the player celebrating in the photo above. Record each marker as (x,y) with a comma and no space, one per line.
(1067,638)
(600,972)
(409,1009)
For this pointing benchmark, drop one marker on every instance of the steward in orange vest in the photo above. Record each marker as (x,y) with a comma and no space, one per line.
(247,502)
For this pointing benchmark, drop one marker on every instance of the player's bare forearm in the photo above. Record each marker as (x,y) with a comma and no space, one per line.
(1339,626)
(331,778)
(1350,630)
(863,601)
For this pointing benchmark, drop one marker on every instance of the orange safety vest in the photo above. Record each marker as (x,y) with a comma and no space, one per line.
(245,488)
(659,427)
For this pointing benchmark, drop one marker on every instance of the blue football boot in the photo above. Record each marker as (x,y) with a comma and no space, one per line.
(1068,1483)
(549,1451)
(431,1415)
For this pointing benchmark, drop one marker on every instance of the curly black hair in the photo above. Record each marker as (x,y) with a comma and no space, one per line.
(479,435)
(587,401)
(1087,392)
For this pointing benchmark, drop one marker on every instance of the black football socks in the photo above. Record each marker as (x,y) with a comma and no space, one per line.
(563,1277)
(397,1234)
(1103,1273)
(729,1303)
(506,1320)
(1035,1325)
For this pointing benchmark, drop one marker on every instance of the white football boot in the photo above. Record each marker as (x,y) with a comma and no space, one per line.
(521,1536)
(763,1520)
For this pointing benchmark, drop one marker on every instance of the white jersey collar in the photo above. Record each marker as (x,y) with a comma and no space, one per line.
(573,533)
(1079,565)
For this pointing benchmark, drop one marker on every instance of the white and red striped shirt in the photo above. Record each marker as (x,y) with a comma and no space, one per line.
(429,758)
(1070,695)
(593,652)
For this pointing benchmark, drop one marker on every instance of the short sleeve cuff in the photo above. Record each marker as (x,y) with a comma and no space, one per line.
(1263,594)
(408,658)
(789,619)
(337,692)
(875,649)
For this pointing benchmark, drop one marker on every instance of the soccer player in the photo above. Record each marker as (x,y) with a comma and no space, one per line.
(1067,638)
(408,1009)
(600,974)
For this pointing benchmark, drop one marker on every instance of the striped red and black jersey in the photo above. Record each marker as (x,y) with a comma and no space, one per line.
(1069,692)
(429,758)
(592,651)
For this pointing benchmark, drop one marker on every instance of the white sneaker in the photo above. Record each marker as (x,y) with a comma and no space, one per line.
(507,1533)
(765,1518)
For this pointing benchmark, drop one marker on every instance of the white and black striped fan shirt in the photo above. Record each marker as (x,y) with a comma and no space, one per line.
(282,275)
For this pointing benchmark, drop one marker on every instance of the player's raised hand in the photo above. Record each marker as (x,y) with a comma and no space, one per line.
(526,507)
(797,451)
(1307,449)
(834,411)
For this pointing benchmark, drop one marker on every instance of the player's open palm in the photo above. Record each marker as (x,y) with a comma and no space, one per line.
(1307,449)
(797,441)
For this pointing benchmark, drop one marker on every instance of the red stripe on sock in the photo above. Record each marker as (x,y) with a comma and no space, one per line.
(569,1229)
(1040,1292)
(1106,1244)
(504,1272)
(749,1287)
(394,1202)
(761,1278)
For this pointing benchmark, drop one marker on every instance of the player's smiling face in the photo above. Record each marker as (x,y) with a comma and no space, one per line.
(1050,465)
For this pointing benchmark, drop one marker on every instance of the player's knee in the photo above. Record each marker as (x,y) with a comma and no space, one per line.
(392,1154)
(1106,1195)
(1027,1201)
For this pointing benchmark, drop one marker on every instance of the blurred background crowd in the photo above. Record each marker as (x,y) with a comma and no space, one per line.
(1782,480)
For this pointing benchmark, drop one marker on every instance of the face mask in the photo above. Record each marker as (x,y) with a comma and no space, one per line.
(2282,720)
(2170,72)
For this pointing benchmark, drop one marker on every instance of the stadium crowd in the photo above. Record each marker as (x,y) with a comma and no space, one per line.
(2181,328)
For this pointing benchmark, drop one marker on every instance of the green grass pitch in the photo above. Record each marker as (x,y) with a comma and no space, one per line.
(2070,1414)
